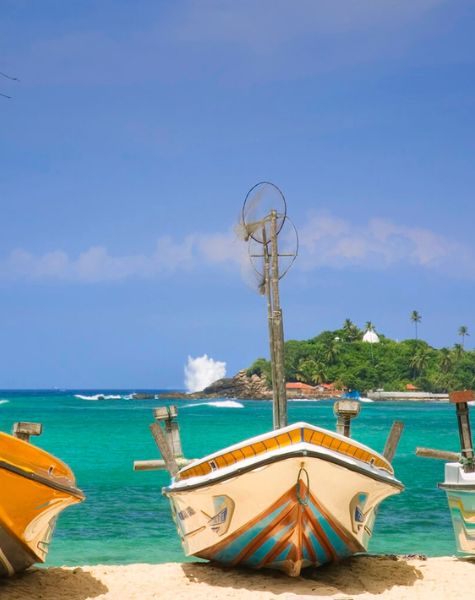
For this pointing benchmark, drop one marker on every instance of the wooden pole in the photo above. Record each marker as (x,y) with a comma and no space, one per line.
(345,410)
(461,399)
(158,465)
(272,342)
(439,454)
(393,440)
(278,326)
(165,450)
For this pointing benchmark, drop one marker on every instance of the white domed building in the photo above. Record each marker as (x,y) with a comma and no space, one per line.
(370,337)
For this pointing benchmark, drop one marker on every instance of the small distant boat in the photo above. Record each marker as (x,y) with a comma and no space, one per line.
(34,488)
(288,499)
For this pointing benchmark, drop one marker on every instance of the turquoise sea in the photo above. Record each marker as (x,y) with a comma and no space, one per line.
(126,520)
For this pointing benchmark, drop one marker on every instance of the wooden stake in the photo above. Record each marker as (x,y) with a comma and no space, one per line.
(345,410)
(165,450)
(393,440)
(23,430)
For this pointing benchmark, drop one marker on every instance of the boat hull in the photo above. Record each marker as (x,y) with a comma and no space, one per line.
(34,488)
(286,510)
(460,489)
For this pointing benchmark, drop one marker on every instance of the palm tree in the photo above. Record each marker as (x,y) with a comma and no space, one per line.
(350,330)
(445,362)
(332,350)
(369,326)
(415,318)
(463,331)
(420,360)
(311,371)
(458,351)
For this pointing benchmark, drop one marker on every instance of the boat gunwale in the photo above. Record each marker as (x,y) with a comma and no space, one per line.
(457,487)
(302,450)
(70,490)
(270,434)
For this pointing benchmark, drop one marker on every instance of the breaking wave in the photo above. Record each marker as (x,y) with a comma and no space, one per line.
(98,397)
(202,371)
(218,404)
(4,401)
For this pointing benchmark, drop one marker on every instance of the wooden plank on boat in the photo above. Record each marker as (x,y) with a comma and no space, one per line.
(169,414)
(439,454)
(393,440)
(23,430)
(165,450)
(158,465)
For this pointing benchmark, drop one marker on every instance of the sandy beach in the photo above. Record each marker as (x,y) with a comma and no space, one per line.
(361,577)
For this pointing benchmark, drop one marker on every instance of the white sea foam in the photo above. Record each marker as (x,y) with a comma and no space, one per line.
(202,371)
(98,397)
(363,399)
(218,404)
(4,401)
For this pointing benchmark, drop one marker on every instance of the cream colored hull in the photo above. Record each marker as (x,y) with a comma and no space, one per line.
(287,509)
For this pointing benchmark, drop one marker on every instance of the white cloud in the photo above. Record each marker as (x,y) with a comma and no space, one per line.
(329,241)
(325,241)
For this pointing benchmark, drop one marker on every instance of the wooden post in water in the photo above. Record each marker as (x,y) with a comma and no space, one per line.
(345,410)
(461,399)
(23,430)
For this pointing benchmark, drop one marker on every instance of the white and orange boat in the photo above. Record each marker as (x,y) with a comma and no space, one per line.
(34,488)
(291,498)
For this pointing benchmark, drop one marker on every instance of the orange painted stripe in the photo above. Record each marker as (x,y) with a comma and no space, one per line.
(289,438)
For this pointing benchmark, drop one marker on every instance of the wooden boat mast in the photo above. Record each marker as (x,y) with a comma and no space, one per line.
(275,321)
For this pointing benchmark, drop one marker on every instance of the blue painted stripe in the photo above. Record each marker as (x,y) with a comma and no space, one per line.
(318,549)
(266,547)
(335,540)
(234,548)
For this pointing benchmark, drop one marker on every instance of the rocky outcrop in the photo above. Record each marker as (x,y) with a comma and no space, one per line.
(241,386)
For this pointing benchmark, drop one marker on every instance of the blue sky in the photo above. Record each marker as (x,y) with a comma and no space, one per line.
(135,132)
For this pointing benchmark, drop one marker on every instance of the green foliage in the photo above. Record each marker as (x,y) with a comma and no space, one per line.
(261,367)
(342,358)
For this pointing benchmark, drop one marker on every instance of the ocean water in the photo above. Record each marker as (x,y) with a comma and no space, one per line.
(125,519)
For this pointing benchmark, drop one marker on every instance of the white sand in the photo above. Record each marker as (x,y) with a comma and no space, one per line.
(357,578)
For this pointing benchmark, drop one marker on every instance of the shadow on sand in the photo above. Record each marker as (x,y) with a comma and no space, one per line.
(73,584)
(355,575)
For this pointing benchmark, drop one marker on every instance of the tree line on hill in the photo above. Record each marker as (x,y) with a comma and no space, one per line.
(341,357)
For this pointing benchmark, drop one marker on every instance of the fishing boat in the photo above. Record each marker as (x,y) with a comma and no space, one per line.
(34,488)
(288,499)
(459,480)
(293,497)
(460,488)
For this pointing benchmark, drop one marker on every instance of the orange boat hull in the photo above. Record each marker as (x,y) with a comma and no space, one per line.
(34,488)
